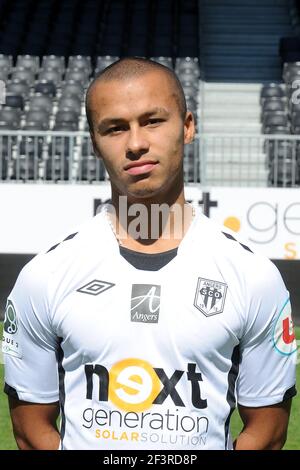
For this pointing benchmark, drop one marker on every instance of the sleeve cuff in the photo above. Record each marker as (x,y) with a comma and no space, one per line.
(30,397)
(268,401)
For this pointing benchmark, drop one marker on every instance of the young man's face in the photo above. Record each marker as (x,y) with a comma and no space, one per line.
(139,133)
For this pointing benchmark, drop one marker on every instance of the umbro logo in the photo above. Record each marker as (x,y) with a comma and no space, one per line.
(145,303)
(95,287)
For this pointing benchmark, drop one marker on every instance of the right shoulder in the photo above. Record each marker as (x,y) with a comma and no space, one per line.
(56,261)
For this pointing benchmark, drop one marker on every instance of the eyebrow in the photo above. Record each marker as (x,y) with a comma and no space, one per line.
(114,120)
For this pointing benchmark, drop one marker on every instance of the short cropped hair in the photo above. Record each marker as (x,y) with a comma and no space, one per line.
(130,67)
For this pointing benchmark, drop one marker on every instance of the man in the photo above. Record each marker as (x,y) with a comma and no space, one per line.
(155,333)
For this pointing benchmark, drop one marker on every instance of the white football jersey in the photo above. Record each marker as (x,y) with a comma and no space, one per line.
(149,351)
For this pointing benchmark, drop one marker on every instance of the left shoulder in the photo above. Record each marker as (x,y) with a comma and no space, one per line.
(234,253)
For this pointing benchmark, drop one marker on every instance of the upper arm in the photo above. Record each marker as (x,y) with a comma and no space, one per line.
(267,372)
(29,342)
(44,416)
(265,427)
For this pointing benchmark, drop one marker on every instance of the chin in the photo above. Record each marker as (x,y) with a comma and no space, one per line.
(143,191)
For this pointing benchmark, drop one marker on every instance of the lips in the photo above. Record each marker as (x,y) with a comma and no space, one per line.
(140,168)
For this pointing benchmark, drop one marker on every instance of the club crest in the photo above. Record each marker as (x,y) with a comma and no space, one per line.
(210,296)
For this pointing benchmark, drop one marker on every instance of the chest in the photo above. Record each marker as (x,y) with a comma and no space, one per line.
(184,310)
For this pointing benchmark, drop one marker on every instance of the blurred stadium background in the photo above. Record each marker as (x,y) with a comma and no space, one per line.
(239,64)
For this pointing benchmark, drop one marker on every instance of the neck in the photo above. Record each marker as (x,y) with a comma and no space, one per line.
(150,225)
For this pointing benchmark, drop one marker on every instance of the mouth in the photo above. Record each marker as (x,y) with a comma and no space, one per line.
(140,168)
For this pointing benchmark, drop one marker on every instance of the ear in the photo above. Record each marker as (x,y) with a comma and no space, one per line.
(189,128)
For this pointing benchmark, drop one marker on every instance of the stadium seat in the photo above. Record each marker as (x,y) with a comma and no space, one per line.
(32,146)
(275,120)
(167,61)
(45,88)
(24,75)
(4,72)
(50,75)
(3,164)
(56,169)
(17,87)
(80,62)
(10,118)
(6,62)
(187,64)
(25,168)
(30,62)
(280,150)
(72,88)
(77,75)
(271,90)
(274,104)
(54,62)
(290,69)
(105,61)
(284,173)
(41,102)
(70,103)
(296,123)
(14,101)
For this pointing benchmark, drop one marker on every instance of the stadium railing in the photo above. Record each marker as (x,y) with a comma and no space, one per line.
(212,159)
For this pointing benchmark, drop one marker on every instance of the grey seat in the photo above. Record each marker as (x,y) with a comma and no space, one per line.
(274,104)
(14,101)
(271,90)
(187,64)
(284,173)
(31,146)
(280,150)
(25,168)
(166,61)
(30,62)
(190,90)
(6,62)
(54,62)
(10,118)
(296,123)
(72,88)
(66,121)
(290,68)
(41,102)
(18,87)
(4,72)
(3,164)
(187,75)
(71,103)
(24,75)
(50,75)
(77,75)
(80,62)
(104,61)
(66,126)
(276,118)
(46,88)
(56,169)
(37,120)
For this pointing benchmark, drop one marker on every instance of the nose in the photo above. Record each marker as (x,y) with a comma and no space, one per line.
(137,144)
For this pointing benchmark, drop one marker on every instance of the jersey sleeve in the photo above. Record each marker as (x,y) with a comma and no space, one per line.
(268,349)
(29,344)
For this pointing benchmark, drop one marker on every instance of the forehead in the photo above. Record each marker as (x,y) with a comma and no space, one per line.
(133,95)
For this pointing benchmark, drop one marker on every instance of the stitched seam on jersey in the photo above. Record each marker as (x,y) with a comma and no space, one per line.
(231,390)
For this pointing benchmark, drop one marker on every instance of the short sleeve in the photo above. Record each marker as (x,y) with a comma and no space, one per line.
(268,349)
(29,344)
